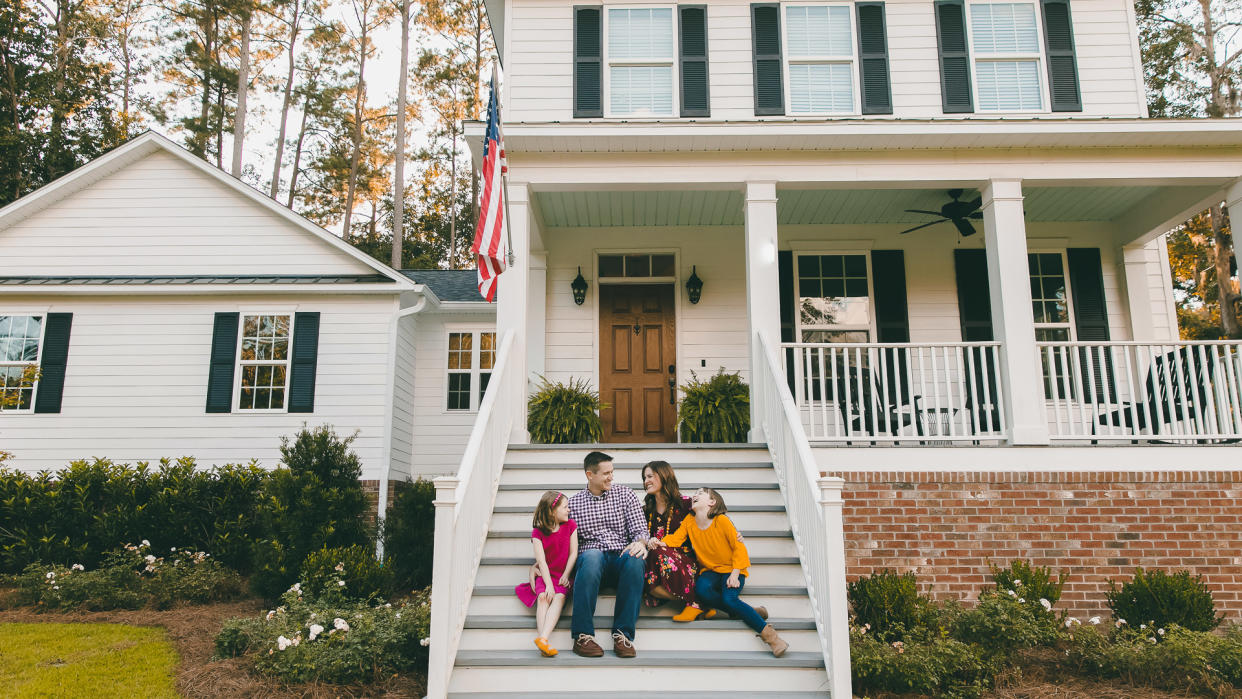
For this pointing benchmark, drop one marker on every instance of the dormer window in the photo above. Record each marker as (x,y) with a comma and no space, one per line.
(639,52)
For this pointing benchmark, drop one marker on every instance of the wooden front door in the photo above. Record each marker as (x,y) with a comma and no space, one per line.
(637,359)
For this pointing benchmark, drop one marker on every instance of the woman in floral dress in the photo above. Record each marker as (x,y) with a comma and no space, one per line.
(670,571)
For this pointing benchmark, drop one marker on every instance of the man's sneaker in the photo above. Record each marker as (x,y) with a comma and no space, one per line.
(587,647)
(622,646)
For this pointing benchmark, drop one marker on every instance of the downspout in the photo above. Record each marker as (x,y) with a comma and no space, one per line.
(382,504)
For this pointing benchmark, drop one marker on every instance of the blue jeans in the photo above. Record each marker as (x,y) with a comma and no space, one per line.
(595,567)
(712,592)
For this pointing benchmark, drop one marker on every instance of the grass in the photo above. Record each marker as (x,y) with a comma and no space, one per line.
(65,660)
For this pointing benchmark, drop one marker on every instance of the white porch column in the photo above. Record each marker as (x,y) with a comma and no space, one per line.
(763,304)
(513,302)
(537,323)
(1013,323)
(1138,262)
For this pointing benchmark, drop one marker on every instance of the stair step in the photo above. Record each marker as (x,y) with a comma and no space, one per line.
(737,637)
(526,561)
(630,695)
(523,621)
(526,495)
(575,487)
(530,510)
(681,659)
(576,466)
(746,522)
(781,601)
(780,590)
(717,477)
(759,543)
(584,677)
(502,571)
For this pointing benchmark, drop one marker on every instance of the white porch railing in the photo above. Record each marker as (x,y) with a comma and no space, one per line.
(814,506)
(871,392)
(463,513)
(1186,392)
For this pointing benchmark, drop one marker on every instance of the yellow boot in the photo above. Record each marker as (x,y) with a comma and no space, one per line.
(690,613)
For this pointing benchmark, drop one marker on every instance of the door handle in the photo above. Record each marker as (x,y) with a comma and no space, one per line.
(672,384)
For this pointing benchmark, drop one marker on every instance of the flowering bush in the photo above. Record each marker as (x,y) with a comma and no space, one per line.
(1156,656)
(941,667)
(1038,587)
(889,604)
(129,578)
(305,640)
(1001,623)
(1164,600)
(348,573)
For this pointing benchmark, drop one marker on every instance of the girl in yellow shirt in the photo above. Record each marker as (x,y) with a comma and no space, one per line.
(723,564)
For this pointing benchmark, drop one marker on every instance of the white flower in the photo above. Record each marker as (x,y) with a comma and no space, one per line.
(1017,583)
(271,614)
(398,615)
(1094,621)
(1071,622)
(388,605)
(1045,604)
(150,559)
(340,567)
(146,543)
(1012,593)
(297,587)
(340,624)
(1022,599)
(1151,639)
(296,640)
(173,549)
(425,642)
(78,566)
(50,575)
(1142,626)
(313,615)
(283,643)
(1120,622)
(340,583)
(56,587)
(1160,631)
(315,630)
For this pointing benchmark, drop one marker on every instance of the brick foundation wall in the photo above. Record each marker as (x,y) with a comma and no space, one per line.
(947,527)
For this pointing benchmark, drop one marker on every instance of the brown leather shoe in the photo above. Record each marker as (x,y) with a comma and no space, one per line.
(622,646)
(587,647)
(762,612)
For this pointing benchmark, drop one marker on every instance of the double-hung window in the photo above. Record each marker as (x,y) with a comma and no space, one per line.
(471,356)
(640,53)
(834,298)
(263,361)
(1051,308)
(820,59)
(1005,46)
(20,340)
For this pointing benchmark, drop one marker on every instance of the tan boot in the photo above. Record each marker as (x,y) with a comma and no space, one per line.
(778,645)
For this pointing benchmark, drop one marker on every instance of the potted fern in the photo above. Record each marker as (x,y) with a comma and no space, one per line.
(564,413)
(715,410)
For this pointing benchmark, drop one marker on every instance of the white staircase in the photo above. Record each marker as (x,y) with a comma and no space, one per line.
(496,656)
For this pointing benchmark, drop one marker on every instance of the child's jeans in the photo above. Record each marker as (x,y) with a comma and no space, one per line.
(712,592)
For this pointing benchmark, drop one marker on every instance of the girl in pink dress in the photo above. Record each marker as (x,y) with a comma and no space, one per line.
(555,539)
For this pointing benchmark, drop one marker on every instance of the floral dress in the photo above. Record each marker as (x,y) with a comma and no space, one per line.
(674,568)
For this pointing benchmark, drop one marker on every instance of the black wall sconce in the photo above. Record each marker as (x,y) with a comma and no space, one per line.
(579,286)
(694,285)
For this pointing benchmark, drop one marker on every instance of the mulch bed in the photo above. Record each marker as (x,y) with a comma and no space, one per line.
(192,631)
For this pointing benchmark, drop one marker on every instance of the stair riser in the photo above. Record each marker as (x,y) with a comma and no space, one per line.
(744,521)
(767,547)
(547,677)
(770,574)
(633,478)
(647,640)
(530,497)
(789,607)
(631,457)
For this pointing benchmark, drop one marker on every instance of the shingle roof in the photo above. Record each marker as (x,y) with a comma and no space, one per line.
(198,279)
(449,284)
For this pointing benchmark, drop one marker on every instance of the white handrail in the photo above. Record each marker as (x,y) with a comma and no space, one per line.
(814,506)
(463,514)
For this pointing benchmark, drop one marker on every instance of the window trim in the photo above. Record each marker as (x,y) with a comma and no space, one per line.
(852,61)
(871,328)
(673,62)
(476,350)
(38,361)
(1040,57)
(237,361)
(1069,324)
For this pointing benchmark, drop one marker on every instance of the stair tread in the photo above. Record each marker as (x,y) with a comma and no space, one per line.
(629,695)
(756,446)
(622,464)
(769,590)
(526,560)
(686,658)
(523,509)
(520,621)
(749,534)
(578,486)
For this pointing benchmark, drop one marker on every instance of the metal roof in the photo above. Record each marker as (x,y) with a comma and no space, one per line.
(449,284)
(199,279)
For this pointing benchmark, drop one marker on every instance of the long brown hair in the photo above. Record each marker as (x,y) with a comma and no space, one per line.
(545,512)
(717,509)
(668,487)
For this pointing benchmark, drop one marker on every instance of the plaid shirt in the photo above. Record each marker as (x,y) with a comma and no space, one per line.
(609,522)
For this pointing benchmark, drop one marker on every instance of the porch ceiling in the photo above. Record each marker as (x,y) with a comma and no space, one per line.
(589,209)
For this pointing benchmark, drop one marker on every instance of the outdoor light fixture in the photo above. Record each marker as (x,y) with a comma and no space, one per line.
(694,286)
(579,286)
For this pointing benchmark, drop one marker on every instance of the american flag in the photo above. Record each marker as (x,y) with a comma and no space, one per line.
(488,242)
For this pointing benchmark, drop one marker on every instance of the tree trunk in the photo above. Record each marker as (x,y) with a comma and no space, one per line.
(359,103)
(294,28)
(243,86)
(398,185)
(1223,252)
(297,152)
(452,207)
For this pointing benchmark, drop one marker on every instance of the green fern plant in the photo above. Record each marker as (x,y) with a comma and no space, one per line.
(716,410)
(564,413)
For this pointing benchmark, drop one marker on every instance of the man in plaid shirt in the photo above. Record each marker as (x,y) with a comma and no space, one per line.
(612,537)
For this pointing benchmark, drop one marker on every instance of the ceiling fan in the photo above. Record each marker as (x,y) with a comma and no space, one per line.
(956,211)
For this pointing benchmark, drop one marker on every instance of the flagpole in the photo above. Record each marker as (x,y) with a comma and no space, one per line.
(504,169)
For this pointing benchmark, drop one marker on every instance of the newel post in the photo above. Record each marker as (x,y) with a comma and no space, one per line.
(443,594)
(837,614)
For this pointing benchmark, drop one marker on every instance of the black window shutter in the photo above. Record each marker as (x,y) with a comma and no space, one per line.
(785,282)
(765,31)
(877,96)
(1062,64)
(974,302)
(223,359)
(694,93)
(888,274)
(954,57)
(588,62)
(1086,279)
(52,362)
(304,362)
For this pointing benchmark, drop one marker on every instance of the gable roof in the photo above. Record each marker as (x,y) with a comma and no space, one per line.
(151,142)
(449,284)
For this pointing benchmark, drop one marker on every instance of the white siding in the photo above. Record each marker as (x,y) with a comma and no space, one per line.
(539,67)
(439,434)
(159,216)
(401,460)
(136,382)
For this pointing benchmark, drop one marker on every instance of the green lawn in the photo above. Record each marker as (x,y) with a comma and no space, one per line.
(79,660)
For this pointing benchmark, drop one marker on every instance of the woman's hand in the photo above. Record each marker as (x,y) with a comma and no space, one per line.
(564,581)
(733,580)
(548,590)
(653,542)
